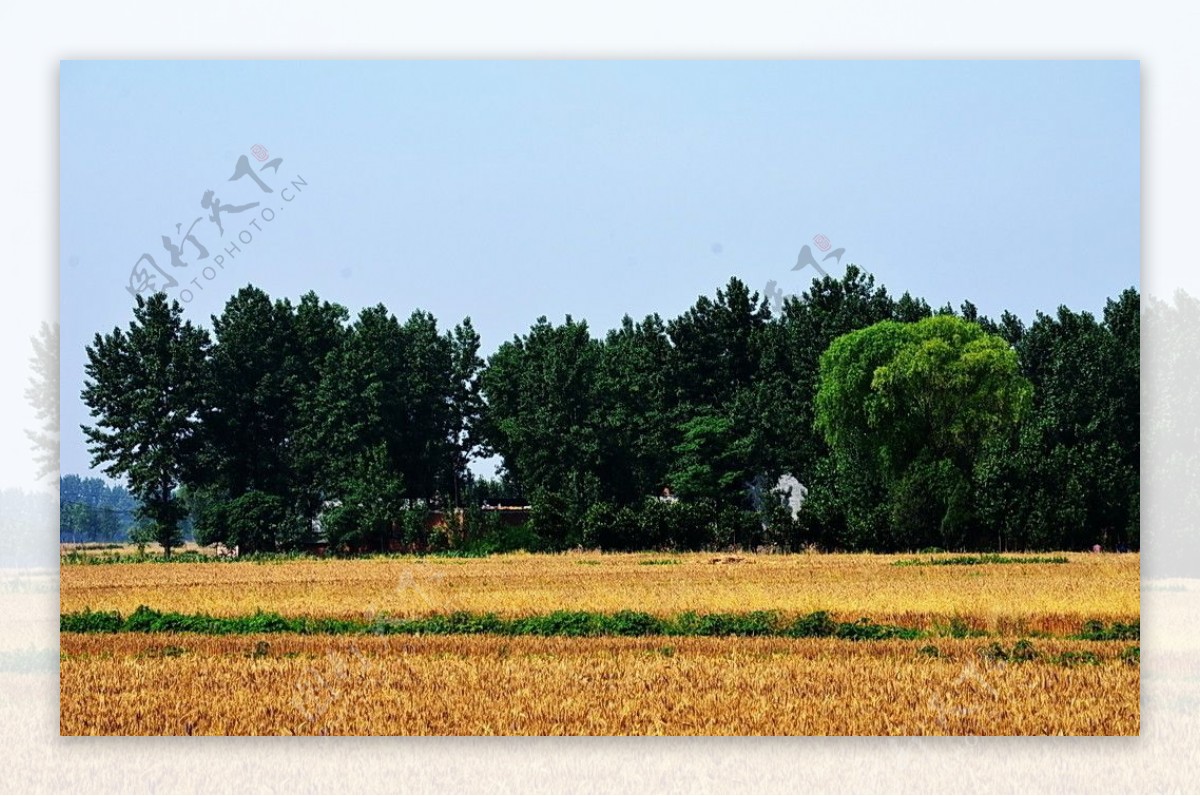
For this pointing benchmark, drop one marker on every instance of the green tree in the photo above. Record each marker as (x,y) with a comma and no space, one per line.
(720,404)
(422,443)
(633,411)
(250,409)
(712,462)
(396,385)
(204,515)
(1070,479)
(320,331)
(540,417)
(466,405)
(253,521)
(361,406)
(782,418)
(264,371)
(372,503)
(912,408)
(715,345)
(143,534)
(144,390)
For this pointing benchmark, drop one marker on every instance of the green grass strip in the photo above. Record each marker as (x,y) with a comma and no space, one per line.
(559,623)
(817,624)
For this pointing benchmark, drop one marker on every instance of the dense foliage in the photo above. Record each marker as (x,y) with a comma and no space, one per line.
(908,428)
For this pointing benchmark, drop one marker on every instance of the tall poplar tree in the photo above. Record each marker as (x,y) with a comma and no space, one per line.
(144,389)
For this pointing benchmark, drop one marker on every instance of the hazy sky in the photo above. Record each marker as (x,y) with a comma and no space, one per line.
(509,190)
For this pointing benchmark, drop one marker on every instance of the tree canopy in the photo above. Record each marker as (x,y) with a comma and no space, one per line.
(913,407)
(294,424)
(145,387)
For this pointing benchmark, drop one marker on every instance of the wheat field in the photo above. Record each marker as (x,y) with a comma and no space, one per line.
(356,684)
(289,685)
(1007,598)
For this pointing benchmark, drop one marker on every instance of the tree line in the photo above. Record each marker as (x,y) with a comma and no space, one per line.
(897,426)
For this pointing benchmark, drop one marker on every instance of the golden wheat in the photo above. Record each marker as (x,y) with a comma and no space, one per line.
(164,685)
(285,684)
(1006,598)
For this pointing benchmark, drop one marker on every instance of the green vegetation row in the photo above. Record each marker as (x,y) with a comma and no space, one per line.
(991,558)
(1024,651)
(818,624)
(1095,630)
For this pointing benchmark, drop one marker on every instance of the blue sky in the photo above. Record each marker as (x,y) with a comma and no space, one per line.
(509,190)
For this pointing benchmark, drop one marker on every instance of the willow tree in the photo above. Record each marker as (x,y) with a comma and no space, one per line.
(908,409)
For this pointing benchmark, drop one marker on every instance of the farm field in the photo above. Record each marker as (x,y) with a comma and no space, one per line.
(184,684)
(1050,598)
(966,648)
